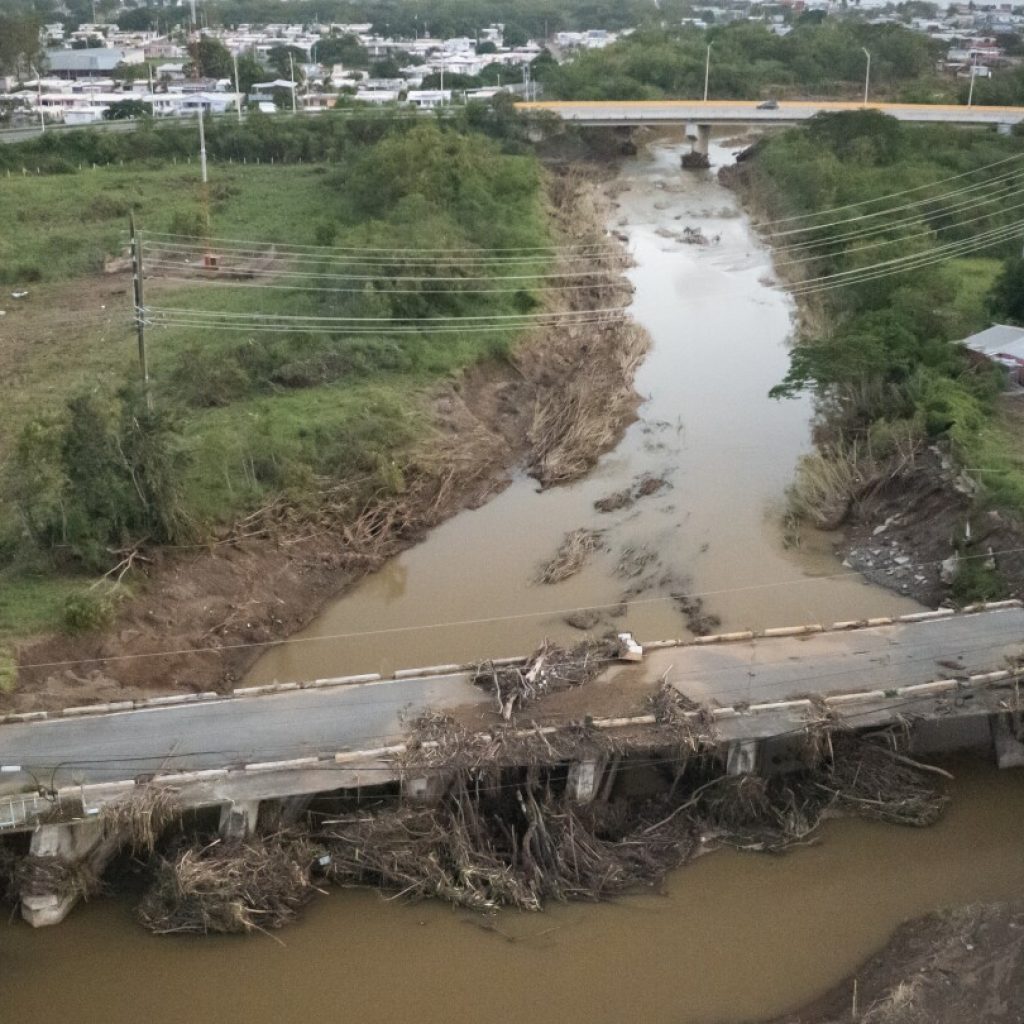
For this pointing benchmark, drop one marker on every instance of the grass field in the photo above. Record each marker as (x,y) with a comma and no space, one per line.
(255,414)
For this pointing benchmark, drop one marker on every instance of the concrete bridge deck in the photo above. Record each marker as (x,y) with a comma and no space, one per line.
(198,732)
(622,113)
(762,703)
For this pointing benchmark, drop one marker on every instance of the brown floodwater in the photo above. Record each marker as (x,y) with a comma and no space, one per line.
(734,937)
(719,327)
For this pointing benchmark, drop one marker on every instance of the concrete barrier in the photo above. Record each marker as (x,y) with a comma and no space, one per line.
(939,613)
(724,638)
(430,670)
(289,765)
(776,631)
(856,698)
(368,677)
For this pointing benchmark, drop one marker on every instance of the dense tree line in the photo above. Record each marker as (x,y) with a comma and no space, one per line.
(886,365)
(748,61)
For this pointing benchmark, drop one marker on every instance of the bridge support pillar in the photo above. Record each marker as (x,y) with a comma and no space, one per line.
(83,844)
(238,819)
(426,789)
(584,782)
(1006,739)
(742,757)
(697,158)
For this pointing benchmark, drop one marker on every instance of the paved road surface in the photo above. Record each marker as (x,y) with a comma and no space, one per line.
(737,112)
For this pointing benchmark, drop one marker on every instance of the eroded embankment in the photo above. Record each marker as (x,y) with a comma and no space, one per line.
(910,517)
(950,967)
(214,608)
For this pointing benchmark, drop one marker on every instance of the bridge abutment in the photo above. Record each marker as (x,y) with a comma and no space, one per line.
(80,848)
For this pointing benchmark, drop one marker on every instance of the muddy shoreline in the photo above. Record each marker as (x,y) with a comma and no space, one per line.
(201,617)
(950,967)
(911,535)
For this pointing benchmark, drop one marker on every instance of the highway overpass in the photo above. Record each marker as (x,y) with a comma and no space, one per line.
(623,113)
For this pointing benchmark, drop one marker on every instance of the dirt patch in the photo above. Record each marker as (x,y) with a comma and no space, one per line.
(204,615)
(924,529)
(947,968)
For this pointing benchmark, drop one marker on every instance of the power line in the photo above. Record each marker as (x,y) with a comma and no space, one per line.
(892,195)
(928,201)
(930,232)
(294,247)
(1002,193)
(490,620)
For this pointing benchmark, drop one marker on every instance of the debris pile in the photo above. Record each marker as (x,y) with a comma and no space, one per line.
(571,556)
(141,818)
(549,670)
(231,887)
(492,843)
(53,876)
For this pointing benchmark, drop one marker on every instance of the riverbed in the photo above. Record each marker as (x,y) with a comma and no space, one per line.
(719,325)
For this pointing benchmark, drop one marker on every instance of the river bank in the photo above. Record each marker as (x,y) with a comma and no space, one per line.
(215,607)
(952,966)
(914,477)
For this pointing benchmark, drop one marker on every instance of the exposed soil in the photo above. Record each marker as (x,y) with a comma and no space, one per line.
(954,967)
(911,536)
(203,615)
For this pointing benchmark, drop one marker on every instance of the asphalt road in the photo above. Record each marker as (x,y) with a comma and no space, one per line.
(737,112)
(306,722)
(224,733)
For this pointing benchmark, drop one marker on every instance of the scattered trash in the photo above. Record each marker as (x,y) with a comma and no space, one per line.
(18,295)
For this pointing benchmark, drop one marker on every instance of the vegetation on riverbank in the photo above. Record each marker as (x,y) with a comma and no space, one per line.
(240,418)
(878,342)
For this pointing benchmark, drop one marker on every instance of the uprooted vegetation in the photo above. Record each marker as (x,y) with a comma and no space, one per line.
(507,831)
(571,556)
(549,670)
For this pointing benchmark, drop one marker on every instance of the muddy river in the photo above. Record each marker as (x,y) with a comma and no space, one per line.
(732,937)
(726,452)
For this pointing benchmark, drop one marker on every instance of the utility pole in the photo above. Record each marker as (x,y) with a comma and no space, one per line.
(39,97)
(707,72)
(202,144)
(140,318)
(291,64)
(867,74)
(974,71)
(234,61)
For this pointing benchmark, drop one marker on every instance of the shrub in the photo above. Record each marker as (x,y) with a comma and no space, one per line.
(88,611)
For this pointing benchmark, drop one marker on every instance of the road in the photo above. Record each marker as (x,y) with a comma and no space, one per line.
(743,112)
(306,722)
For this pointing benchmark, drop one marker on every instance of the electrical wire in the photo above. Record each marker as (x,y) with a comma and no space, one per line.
(892,195)
(1003,193)
(928,201)
(489,620)
(294,247)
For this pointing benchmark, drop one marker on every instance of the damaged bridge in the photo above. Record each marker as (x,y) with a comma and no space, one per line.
(753,700)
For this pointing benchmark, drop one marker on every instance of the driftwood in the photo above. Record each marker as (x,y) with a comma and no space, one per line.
(231,887)
(549,670)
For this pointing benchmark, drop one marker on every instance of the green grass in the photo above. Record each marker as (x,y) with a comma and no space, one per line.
(30,603)
(970,280)
(258,414)
(59,226)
